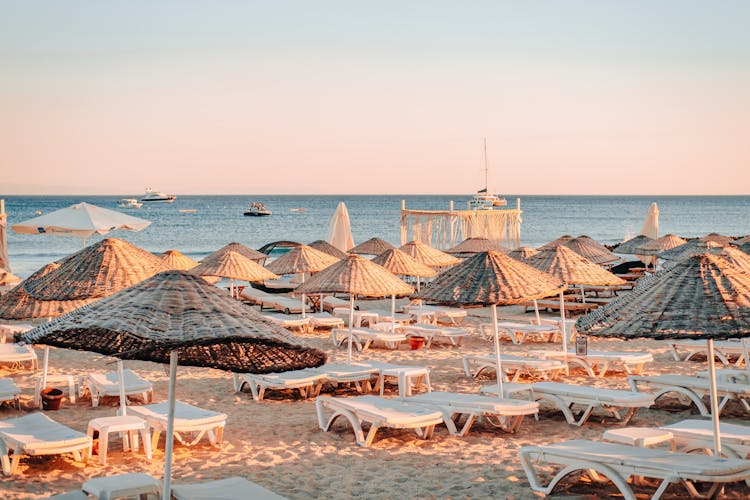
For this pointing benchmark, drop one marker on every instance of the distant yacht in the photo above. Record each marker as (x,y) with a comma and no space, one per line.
(155,196)
(484,200)
(129,203)
(257,209)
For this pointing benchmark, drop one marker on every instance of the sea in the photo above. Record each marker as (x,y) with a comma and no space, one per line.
(198,225)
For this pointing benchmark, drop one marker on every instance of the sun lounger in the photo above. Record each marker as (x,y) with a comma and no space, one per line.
(597,363)
(358,316)
(330,303)
(504,413)
(231,488)
(325,320)
(430,332)
(307,381)
(514,367)
(691,435)
(695,388)
(571,308)
(618,463)
(378,412)
(253,295)
(100,385)
(277,302)
(407,376)
(565,396)
(447,315)
(357,373)
(363,338)
(7,332)
(17,354)
(9,391)
(725,350)
(187,419)
(37,434)
(289,322)
(517,332)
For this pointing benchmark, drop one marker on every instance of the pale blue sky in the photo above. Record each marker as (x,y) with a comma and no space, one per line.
(379,97)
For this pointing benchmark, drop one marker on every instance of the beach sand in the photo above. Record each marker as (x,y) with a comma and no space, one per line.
(277,442)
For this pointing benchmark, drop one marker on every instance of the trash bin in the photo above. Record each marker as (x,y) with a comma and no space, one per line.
(51,398)
(416,342)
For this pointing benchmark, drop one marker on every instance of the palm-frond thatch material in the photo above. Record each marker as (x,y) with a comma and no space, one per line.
(629,247)
(427,255)
(357,276)
(174,259)
(326,247)
(401,263)
(301,259)
(232,265)
(570,267)
(373,246)
(241,249)
(556,242)
(523,253)
(470,246)
(660,244)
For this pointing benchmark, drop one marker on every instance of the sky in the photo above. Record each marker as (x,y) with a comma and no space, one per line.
(388,97)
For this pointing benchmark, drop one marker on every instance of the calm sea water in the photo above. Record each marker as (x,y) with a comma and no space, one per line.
(218,220)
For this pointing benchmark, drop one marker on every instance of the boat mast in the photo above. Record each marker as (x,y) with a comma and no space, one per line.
(485,164)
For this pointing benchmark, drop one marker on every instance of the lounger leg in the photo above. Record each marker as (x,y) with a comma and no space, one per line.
(146,442)
(5,459)
(584,416)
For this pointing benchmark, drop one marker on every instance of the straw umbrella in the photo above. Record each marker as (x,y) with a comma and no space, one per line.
(176,316)
(339,229)
(717,238)
(326,247)
(401,263)
(692,247)
(556,242)
(701,297)
(174,259)
(523,253)
(491,279)
(232,265)
(373,246)
(592,250)
(470,246)
(82,220)
(427,255)
(572,269)
(355,275)
(628,247)
(660,244)
(302,259)
(241,249)
(741,241)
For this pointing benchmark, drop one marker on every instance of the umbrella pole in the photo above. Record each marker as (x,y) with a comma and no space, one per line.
(44,370)
(303,297)
(747,357)
(498,362)
(351,329)
(583,294)
(714,399)
(393,312)
(321,302)
(123,399)
(170,425)
(536,313)
(564,333)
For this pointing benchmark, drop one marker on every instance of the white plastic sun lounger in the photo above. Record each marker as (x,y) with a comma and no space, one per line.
(231,488)
(325,320)
(277,302)
(253,295)
(597,363)
(7,332)
(516,366)
(17,354)
(695,388)
(618,463)
(517,332)
(724,350)
(307,381)
(37,434)
(363,338)
(378,412)
(9,391)
(504,413)
(431,332)
(566,396)
(289,322)
(187,419)
(100,385)
(691,435)
(330,303)
(447,315)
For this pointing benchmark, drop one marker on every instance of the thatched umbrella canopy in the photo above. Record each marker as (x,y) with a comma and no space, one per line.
(692,247)
(247,252)
(556,242)
(523,253)
(491,279)
(745,248)
(427,255)
(373,246)
(232,265)
(592,250)
(302,259)
(97,271)
(570,267)
(629,247)
(470,246)
(174,259)
(741,241)
(326,247)
(717,238)
(178,316)
(399,262)
(660,244)
(735,256)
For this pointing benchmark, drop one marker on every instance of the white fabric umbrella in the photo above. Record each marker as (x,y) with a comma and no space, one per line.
(81,220)
(4,262)
(339,229)
(651,229)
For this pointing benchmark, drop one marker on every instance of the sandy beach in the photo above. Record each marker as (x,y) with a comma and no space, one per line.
(277,442)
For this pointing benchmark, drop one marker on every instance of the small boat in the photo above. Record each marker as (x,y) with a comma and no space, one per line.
(257,209)
(129,203)
(188,210)
(154,196)
(300,209)
(484,200)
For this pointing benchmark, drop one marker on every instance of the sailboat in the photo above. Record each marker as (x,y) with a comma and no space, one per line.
(484,200)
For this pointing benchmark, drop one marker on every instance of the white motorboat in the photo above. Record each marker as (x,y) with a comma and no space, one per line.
(484,200)
(129,203)
(257,209)
(154,196)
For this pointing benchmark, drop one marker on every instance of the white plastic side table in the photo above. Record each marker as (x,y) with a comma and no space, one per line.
(123,486)
(128,425)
